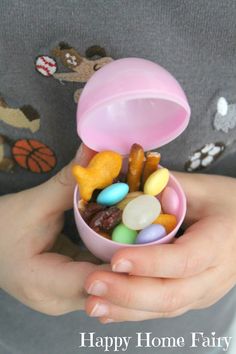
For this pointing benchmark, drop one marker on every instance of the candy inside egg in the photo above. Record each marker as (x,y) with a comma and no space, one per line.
(170,201)
(141,212)
(156,182)
(123,234)
(151,233)
(113,194)
(134,217)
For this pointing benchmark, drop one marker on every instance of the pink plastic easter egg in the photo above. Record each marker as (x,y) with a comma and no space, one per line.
(170,201)
(131,100)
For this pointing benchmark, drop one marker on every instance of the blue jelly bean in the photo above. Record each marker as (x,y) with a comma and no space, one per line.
(151,233)
(113,194)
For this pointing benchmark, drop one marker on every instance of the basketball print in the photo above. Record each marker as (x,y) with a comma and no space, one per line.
(45,65)
(33,155)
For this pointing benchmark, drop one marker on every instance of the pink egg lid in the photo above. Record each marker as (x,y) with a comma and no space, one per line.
(131,100)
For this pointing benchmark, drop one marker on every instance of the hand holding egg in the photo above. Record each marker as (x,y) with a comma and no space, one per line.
(166,280)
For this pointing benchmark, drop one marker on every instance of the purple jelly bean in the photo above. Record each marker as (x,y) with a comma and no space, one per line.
(151,233)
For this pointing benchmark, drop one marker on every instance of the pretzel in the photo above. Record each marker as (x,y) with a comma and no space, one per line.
(135,168)
(151,164)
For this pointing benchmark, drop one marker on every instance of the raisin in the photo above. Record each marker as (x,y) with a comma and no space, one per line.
(91,209)
(106,220)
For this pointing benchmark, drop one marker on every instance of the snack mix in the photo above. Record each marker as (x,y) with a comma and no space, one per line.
(136,208)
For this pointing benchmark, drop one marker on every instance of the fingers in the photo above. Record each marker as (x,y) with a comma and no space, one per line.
(54,284)
(202,191)
(189,255)
(147,294)
(84,155)
(56,195)
(60,275)
(195,189)
(107,312)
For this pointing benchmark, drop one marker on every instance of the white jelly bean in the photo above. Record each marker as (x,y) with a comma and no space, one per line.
(141,212)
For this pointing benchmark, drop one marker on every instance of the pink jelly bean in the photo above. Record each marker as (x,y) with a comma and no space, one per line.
(170,201)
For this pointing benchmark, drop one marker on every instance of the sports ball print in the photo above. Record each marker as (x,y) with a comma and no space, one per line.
(45,65)
(204,157)
(33,155)
(225,117)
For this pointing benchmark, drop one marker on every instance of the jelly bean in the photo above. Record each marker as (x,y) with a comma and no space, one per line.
(113,194)
(141,212)
(168,221)
(128,198)
(170,201)
(123,234)
(156,182)
(151,233)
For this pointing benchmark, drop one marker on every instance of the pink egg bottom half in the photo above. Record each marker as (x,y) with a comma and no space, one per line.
(104,248)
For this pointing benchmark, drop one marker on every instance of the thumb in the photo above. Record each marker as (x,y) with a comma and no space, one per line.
(56,194)
(202,191)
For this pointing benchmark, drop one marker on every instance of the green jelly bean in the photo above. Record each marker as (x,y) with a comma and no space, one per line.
(123,234)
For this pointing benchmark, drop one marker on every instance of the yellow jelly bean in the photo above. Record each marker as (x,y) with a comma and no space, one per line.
(156,182)
(168,221)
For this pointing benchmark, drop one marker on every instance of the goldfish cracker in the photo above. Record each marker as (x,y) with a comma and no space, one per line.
(102,169)
(151,164)
(135,168)
(168,221)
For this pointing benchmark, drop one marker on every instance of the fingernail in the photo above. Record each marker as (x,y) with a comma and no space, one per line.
(108,320)
(123,266)
(97,288)
(99,310)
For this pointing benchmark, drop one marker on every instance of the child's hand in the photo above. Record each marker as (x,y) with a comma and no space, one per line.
(30,222)
(168,280)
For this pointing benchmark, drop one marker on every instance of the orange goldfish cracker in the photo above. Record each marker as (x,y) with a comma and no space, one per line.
(168,221)
(100,172)
(151,164)
(135,168)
